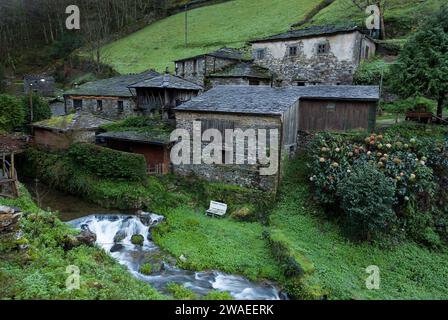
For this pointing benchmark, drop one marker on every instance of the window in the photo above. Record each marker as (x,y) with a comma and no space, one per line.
(99,105)
(323,48)
(254,82)
(195,66)
(301,83)
(260,54)
(331,107)
(120,106)
(293,50)
(77,104)
(367,52)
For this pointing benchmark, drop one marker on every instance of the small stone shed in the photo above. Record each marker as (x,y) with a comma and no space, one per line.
(162,93)
(242,73)
(61,132)
(197,68)
(287,109)
(108,98)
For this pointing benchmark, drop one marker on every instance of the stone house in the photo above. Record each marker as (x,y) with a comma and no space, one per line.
(242,73)
(286,110)
(159,95)
(315,55)
(197,68)
(61,132)
(109,98)
(39,84)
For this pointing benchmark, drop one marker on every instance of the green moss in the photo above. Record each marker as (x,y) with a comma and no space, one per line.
(146,269)
(217,295)
(179,292)
(137,239)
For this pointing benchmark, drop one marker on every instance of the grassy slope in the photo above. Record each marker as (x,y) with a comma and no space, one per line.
(39,272)
(407,271)
(228,24)
(399,13)
(220,244)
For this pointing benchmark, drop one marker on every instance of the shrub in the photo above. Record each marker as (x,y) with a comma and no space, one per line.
(108,163)
(367,196)
(12,114)
(137,239)
(402,106)
(370,72)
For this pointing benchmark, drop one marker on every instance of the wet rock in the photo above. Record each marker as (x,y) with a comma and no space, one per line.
(137,239)
(120,236)
(183,259)
(86,237)
(9,219)
(150,219)
(116,247)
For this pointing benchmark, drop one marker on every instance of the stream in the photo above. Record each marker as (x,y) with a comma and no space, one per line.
(114,230)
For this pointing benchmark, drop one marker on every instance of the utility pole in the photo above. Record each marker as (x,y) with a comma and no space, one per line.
(186,25)
(30,91)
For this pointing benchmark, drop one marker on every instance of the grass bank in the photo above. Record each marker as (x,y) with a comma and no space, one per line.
(337,266)
(39,272)
(228,24)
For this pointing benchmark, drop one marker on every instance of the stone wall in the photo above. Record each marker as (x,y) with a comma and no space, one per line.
(336,66)
(245,175)
(224,81)
(109,109)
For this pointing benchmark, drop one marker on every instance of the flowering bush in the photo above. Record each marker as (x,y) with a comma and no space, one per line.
(407,163)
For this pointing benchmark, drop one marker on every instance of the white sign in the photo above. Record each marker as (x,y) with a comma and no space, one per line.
(73,21)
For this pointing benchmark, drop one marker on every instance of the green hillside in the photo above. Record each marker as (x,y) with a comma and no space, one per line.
(401,16)
(233,23)
(228,24)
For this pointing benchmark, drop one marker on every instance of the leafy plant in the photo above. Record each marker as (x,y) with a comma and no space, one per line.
(12,114)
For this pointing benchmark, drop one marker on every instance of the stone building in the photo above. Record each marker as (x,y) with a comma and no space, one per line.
(61,132)
(110,98)
(242,73)
(159,95)
(316,55)
(39,84)
(197,68)
(286,110)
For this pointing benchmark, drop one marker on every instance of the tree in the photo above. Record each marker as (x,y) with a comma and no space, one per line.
(422,67)
(12,114)
(2,79)
(41,109)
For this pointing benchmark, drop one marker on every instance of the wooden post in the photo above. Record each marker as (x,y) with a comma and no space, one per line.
(12,170)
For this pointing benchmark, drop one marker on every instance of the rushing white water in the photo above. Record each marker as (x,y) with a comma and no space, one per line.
(114,233)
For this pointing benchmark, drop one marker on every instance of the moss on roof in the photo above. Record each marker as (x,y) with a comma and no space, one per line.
(74,121)
(139,129)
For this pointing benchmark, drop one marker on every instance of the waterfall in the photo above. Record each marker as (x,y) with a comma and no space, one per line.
(114,233)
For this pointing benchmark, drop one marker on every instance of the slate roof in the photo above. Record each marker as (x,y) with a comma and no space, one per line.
(166,81)
(272,101)
(243,69)
(223,53)
(309,32)
(112,87)
(134,136)
(76,121)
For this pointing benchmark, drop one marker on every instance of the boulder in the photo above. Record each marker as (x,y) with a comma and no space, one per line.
(87,237)
(9,219)
(119,236)
(116,247)
(150,219)
(137,239)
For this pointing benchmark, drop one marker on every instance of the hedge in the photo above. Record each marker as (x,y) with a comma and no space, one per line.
(108,163)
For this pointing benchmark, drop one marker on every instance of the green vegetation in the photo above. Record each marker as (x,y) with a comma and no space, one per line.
(407,271)
(179,292)
(108,163)
(401,16)
(223,244)
(146,269)
(420,69)
(217,295)
(15,113)
(228,24)
(39,272)
(137,239)
(371,72)
(368,178)
(12,115)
